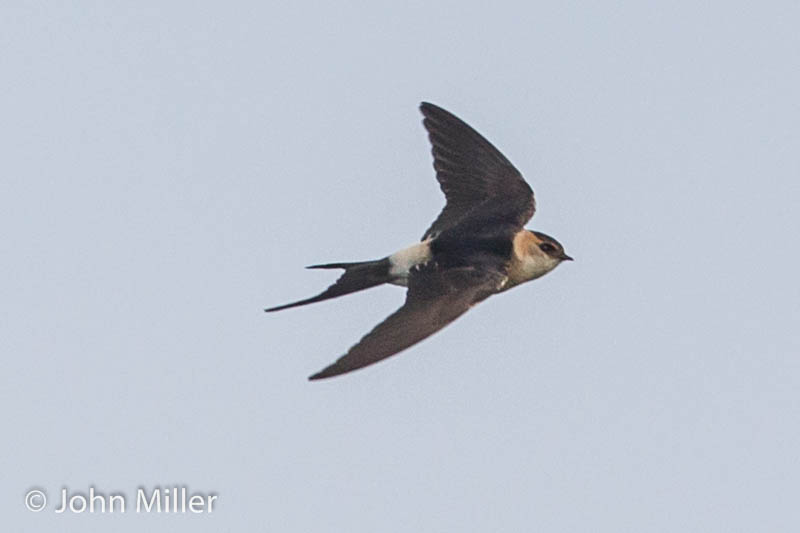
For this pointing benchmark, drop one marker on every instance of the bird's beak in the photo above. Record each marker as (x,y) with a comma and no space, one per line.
(565,257)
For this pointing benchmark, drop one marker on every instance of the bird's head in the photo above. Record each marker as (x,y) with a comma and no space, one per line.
(544,254)
(535,254)
(550,248)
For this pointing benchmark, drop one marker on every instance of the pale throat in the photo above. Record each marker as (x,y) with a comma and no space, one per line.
(528,262)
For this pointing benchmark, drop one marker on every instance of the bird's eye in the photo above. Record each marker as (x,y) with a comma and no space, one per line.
(547,248)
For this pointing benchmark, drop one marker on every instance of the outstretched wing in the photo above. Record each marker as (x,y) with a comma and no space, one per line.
(435,298)
(473,174)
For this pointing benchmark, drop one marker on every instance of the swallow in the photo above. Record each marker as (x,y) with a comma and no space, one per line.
(475,248)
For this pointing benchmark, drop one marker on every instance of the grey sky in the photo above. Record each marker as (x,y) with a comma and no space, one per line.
(168,171)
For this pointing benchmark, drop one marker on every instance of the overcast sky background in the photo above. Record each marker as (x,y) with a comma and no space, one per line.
(167,171)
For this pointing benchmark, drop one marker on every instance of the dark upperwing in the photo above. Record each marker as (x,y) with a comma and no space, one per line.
(434,299)
(478,182)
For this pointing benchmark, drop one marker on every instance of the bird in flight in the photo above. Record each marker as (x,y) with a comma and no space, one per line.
(475,248)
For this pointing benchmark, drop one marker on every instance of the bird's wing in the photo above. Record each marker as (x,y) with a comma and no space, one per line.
(435,298)
(473,174)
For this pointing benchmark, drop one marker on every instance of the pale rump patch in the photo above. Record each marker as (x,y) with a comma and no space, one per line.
(404,260)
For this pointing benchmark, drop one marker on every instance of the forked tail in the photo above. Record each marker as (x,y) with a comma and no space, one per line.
(356,277)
